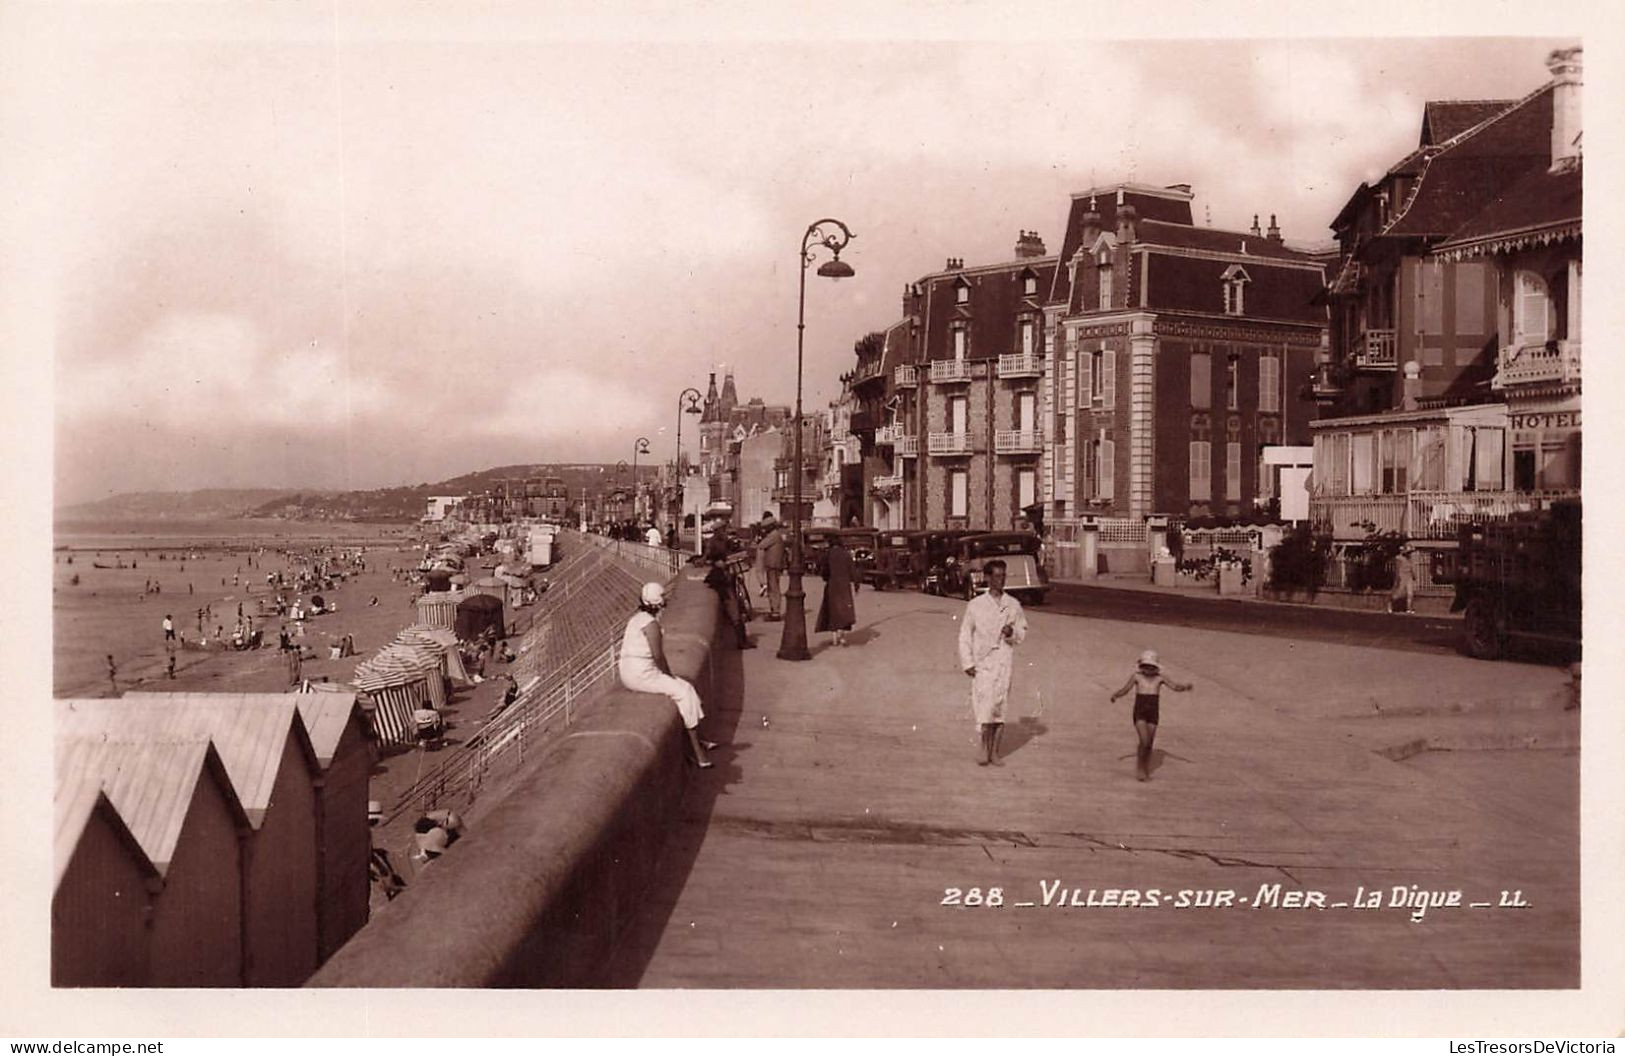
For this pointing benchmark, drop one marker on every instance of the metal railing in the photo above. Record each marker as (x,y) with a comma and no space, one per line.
(1378,350)
(1015,441)
(949,444)
(950,370)
(893,481)
(1421,514)
(1529,364)
(1020,365)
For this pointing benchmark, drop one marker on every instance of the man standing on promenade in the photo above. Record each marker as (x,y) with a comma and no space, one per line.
(169,628)
(992,626)
(772,546)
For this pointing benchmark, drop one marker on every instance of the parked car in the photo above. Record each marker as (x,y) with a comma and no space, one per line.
(814,545)
(1025,578)
(863,542)
(899,560)
(933,549)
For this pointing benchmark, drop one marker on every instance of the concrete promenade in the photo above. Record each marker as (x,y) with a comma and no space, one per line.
(848,808)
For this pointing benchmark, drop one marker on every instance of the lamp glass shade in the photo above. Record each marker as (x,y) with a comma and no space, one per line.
(836,269)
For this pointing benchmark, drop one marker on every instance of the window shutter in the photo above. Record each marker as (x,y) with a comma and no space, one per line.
(1232,472)
(1108,455)
(1108,377)
(1269,384)
(1201,471)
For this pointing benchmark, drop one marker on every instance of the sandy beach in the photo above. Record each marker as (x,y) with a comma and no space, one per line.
(104,603)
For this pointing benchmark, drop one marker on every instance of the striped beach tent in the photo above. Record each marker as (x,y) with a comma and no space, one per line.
(396,686)
(446,643)
(426,658)
(439,609)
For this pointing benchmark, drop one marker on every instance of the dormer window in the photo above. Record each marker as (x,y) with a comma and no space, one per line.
(1103,268)
(1029,284)
(1234,282)
(961,292)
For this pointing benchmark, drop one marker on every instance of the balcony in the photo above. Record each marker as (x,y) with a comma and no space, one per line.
(948,371)
(1020,365)
(1555,362)
(854,449)
(906,446)
(1377,350)
(891,484)
(949,444)
(1421,514)
(905,377)
(887,435)
(1015,442)
(867,372)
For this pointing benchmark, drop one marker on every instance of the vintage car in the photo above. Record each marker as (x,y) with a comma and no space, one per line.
(863,542)
(814,545)
(899,560)
(931,553)
(1025,577)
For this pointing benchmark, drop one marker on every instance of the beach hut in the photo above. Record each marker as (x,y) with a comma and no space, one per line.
(393,688)
(476,613)
(428,660)
(274,771)
(439,609)
(444,642)
(343,743)
(495,586)
(176,799)
(105,886)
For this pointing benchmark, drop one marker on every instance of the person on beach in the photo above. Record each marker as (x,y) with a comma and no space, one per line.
(643,669)
(992,626)
(1146,682)
(170,671)
(652,536)
(838,611)
(112,674)
(169,628)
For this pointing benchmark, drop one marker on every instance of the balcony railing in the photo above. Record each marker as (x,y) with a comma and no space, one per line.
(1377,350)
(887,483)
(1020,365)
(854,449)
(1532,364)
(888,434)
(906,446)
(905,376)
(1015,441)
(949,444)
(867,371)
(1421,514)
(949,370)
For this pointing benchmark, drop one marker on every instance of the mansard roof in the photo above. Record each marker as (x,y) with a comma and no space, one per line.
(1153,233)
(1541,206)
(1444,119)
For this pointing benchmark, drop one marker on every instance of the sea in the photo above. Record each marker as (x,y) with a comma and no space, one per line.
(175,533)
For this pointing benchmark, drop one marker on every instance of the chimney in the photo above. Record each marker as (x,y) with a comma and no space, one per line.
(1411,389)
(1274,233)
(954,264)
(1126,215)
(1567,68)
(1091,225)
(1029,245)
(1255,232)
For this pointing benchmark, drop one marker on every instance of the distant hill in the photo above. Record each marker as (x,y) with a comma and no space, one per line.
(397,504)
(202,505)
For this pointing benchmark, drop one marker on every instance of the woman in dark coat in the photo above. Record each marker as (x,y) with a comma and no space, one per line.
(838,612)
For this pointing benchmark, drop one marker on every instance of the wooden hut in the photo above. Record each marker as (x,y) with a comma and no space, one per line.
(105,888)
(274,771)
(439,609)
(345,750)
(176,799)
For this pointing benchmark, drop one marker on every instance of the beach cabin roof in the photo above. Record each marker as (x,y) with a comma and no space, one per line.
(249,730)
(74,806)
(326,712)
(150,783)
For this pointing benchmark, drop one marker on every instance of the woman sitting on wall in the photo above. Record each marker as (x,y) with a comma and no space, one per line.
(643,669)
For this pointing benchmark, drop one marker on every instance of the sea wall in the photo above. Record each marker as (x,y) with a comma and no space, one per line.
(536,895)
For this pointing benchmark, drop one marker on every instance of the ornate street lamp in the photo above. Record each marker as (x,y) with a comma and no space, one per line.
(692,397)
(639,447)
(833,235)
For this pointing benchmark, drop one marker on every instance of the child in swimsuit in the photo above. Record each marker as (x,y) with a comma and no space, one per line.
(1147,682)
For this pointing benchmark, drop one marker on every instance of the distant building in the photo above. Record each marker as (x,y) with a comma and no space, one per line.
(440,506)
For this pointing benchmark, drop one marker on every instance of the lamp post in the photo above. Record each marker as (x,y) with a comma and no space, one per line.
(639,447)
(692,397)
(833,235)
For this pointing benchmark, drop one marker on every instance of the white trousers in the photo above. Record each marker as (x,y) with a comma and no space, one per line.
(642,676)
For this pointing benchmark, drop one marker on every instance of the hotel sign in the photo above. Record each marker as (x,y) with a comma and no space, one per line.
(1547,420)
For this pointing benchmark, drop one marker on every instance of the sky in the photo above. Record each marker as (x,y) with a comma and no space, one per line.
(308,246)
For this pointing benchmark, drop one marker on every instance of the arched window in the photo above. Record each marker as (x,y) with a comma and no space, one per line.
(1531,307)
